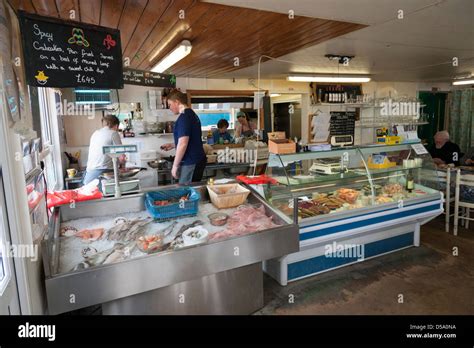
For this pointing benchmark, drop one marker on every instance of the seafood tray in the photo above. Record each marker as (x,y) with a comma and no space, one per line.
(181,208)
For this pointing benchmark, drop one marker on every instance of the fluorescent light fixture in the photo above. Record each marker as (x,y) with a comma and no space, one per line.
(328,78)
(275,95)
(92,102)
(92,90)
(463,82)
(181,51)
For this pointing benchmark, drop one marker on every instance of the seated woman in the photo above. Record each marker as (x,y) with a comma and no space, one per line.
(245,127)
(221,132)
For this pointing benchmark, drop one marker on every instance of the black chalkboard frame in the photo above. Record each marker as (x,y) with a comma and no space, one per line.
(118,80)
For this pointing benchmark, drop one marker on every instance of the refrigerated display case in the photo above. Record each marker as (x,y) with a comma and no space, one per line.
(351,204)
(106,263)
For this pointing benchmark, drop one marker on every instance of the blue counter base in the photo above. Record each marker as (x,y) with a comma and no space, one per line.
(323,263)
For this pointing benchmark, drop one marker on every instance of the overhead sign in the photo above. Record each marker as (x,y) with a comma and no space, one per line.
(148,78)
(62,53)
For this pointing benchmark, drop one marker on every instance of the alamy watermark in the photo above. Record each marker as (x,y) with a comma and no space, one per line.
(29,251)
(399,108)
(336,250)
(236,155)
(66,108)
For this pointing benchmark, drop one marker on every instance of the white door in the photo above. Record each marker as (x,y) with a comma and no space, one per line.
(9,303)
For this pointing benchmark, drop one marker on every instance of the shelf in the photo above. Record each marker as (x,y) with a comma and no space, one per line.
(321,179)
(377,125)
(391,170)
(354,105)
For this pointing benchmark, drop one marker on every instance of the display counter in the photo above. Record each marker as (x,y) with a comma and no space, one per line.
(351,204)
(103,264)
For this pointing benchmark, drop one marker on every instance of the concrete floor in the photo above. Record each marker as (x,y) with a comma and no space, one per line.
(430,278)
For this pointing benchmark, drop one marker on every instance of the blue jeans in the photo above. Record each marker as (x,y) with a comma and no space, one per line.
(186,174)
(93,174)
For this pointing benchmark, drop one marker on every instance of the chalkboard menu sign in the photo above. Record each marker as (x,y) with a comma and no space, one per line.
(70,54)
(148,78)
(342,123)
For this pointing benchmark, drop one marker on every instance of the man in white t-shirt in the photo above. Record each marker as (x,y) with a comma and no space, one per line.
(98,163)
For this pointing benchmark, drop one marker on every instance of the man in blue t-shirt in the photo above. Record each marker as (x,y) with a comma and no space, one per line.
(190,159)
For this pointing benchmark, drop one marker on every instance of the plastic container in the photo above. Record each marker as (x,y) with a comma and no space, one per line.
(173,210)
(228,195)
(195,235)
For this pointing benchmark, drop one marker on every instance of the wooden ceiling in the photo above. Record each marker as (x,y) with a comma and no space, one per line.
(150,29)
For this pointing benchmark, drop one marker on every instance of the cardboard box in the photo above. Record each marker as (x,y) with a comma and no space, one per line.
(277,143)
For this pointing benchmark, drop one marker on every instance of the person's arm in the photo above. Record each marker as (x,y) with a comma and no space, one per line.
(180,151)
(238,130)
(116,140)
(167,147)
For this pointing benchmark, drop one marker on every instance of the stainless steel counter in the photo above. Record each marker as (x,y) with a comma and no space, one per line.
(155,284)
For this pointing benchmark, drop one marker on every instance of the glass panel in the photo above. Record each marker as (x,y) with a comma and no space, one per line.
(399,173)
(324,182)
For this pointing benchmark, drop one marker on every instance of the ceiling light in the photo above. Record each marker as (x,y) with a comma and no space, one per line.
(328,78)
(181,51)
(463,82)
(275,95)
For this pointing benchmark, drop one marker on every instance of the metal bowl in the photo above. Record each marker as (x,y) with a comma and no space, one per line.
(160,164)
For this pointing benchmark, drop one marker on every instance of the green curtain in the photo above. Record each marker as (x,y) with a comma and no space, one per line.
(461,114)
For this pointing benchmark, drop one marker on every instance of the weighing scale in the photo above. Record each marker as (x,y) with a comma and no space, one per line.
(109,188)
(326,166)
(342,140)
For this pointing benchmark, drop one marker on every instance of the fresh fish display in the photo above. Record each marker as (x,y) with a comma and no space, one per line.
(68,231)
(88,251)
(167,230)
(178,239)
(120,254)
(128,230)
(119,251)
(90,235)
(246,219)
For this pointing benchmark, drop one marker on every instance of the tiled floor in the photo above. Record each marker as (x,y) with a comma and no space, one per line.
(430,279)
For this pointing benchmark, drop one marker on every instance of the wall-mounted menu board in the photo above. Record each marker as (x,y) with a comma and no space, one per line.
(60,53)
(148,78)
(342,123)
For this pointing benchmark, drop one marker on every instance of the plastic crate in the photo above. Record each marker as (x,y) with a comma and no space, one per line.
(173,210)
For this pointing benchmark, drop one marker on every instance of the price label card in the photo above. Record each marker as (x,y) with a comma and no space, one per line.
(419,149)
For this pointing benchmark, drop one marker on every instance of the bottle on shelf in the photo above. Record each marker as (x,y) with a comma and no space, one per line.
(410,182)
(210,138)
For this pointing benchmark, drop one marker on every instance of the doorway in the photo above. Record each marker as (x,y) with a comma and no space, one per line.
(435,103)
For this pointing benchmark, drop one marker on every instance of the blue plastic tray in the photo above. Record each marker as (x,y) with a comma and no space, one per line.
(173,210)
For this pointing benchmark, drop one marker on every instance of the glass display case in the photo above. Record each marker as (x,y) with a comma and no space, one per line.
(312,185)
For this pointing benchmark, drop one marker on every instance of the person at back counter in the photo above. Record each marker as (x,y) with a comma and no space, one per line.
(444,151)
(98,163)
(222,133)
(244,127)
(190,160)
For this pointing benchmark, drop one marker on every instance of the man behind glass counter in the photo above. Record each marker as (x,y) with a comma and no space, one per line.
(190,159)
(444,151)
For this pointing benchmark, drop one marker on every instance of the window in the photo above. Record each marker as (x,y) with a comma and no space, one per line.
(209,118)
(92,96)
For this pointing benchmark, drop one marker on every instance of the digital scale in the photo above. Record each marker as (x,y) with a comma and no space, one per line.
(326,166)
(115,187)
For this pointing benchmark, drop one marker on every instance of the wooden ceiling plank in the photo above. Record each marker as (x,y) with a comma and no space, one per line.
(282,51)
(167,21)
(175,35)
(225,27)
(66,6)
(132,13)
(289,40)
(269,25)
(90,11)
(111,13)
(289,44)
(46,8)
(150,18)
